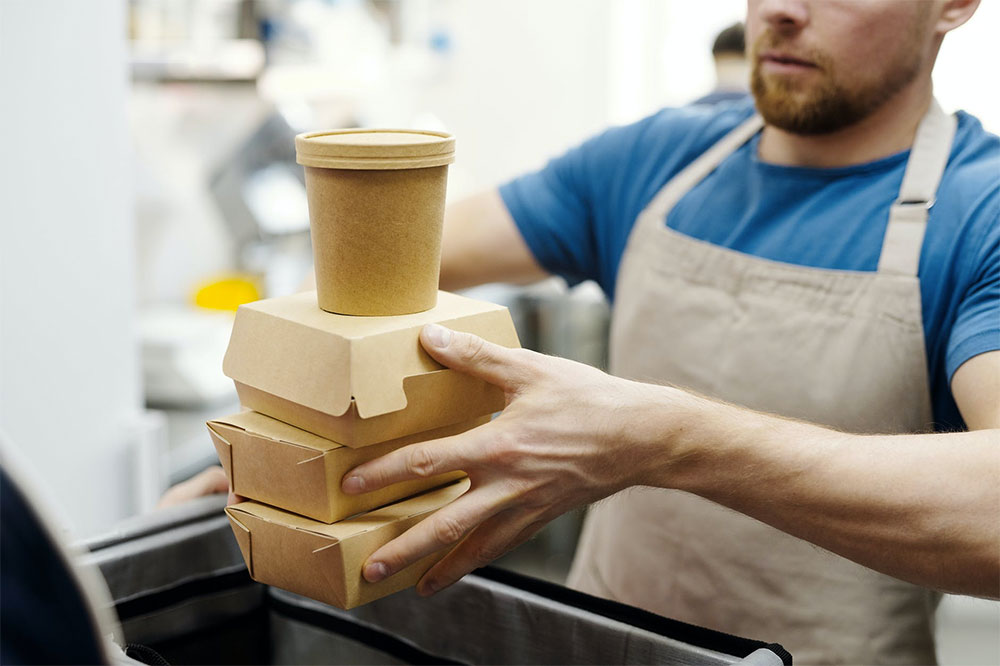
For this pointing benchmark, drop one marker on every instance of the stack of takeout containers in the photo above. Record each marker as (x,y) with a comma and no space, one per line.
(333,378)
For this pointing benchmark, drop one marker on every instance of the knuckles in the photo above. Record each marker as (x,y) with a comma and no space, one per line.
(447,530)
(504,448)
(471,349)
(420,461)
(394,561)
(487,553)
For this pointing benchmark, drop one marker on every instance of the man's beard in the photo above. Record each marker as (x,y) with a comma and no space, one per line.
(830,104)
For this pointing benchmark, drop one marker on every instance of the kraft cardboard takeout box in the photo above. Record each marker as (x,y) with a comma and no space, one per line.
(323,561)
(278,464)
(376,207)
(359,380)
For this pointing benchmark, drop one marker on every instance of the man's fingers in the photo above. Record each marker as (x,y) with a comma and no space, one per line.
(488,542)
(207,482)
(469,353)
(416,461)
(211,481)
(445,528)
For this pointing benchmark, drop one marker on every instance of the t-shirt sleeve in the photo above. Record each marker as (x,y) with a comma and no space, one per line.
(977,324)
(576,213)
(555,208)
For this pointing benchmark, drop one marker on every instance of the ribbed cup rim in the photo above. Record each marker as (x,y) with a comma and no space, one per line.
(375,149)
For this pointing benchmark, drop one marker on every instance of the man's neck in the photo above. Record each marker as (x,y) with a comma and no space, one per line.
(888,130)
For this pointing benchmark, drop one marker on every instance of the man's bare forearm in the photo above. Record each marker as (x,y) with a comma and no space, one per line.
(482,244)
(923,508)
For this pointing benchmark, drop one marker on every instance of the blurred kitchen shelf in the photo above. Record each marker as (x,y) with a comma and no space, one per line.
(227,61)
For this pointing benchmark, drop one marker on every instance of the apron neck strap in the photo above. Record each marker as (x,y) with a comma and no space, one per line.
(694,172)
(904,235)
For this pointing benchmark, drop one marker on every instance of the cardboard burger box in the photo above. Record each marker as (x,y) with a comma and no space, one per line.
(359,380)
(281,465)
(323,561)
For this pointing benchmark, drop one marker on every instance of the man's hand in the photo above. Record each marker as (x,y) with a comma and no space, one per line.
(209,481)
(922,507)
(565,439)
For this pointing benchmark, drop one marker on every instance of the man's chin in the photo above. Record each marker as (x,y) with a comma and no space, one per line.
(798,121)
(803,111)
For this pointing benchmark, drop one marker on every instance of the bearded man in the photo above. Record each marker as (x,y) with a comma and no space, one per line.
(799,437)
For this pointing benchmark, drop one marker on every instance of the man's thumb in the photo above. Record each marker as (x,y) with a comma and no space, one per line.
(467,353)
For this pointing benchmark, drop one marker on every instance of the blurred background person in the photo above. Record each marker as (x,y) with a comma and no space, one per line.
(732,73)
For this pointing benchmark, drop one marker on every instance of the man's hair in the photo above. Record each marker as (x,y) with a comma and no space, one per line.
(730,41)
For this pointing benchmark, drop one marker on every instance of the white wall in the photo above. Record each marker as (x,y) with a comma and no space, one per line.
(524,81)
(530,79)
(69,384)
(663,52)
(965,73)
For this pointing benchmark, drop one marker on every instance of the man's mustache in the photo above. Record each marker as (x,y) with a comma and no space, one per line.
(772,46)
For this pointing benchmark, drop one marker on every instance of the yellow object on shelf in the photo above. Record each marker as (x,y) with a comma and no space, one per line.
(227,293)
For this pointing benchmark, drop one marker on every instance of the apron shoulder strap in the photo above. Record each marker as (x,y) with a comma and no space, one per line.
(694,172)
(904,235)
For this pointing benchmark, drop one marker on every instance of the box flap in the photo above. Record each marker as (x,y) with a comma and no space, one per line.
(242,534)
(280,346)
(387,359)
(264,426)
(415,506)
(291,348)
(328,564)
(223,448)
(290,563)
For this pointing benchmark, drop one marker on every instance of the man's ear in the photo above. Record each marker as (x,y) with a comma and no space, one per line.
(954,13)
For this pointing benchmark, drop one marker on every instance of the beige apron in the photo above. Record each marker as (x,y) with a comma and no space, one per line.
(839,348)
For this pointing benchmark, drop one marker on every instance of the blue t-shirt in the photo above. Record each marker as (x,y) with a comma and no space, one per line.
(576,214)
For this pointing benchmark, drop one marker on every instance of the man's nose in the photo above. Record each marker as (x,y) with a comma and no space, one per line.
(783,17)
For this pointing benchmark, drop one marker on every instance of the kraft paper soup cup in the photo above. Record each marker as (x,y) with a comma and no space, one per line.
(376,208)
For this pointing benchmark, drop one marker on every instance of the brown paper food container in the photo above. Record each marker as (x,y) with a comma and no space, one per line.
(376,206)
(359,380)
(272,462)
(323,561)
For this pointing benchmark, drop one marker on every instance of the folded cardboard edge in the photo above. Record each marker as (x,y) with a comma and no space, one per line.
(493,325)
(449,306)
(263,346)
(255,424)
(458,400)
(243,536)
(260,425)
(372,393)
(224,449)
(417,505)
